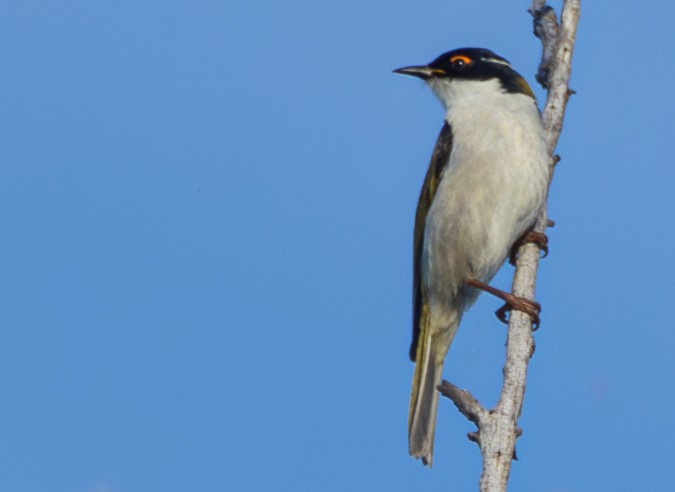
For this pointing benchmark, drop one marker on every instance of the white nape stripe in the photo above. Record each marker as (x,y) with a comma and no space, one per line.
(496,60)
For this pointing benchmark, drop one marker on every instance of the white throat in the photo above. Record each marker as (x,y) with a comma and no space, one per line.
(450,91)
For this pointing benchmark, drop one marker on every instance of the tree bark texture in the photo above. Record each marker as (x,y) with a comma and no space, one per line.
(498,427)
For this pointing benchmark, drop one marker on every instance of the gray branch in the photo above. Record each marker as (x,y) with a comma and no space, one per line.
(464,401)
(498,427)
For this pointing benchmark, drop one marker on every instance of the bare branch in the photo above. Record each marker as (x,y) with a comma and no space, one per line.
(498,428)
(464,401)
(546,29)
(498,439)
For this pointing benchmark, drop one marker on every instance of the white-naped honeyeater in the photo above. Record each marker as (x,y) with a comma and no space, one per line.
(485,184)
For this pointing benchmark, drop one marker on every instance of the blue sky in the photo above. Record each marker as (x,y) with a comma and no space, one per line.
(205,268)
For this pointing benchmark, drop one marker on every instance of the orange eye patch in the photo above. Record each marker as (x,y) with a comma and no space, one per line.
(461,58)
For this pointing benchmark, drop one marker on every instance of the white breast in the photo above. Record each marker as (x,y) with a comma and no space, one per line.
(491,190)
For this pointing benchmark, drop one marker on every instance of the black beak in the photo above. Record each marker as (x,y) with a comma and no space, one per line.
(421,71)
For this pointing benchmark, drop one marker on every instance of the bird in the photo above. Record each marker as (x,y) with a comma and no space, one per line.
(486,182)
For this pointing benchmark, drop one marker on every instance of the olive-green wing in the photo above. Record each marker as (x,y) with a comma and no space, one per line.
(439,159)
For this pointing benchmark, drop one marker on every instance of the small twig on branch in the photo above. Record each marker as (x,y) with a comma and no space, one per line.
(546,29)
(498,428)
(464,401)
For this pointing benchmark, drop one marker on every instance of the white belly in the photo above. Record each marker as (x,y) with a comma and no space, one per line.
(490,193)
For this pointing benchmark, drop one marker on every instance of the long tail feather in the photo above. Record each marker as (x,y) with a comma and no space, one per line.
(424,402)
(431,351)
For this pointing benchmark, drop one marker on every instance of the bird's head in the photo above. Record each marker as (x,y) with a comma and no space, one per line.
(469,67)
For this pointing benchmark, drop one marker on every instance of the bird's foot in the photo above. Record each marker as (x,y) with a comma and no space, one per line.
(538,238)
(531,308)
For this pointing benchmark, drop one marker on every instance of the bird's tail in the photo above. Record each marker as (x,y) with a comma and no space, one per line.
(424,398)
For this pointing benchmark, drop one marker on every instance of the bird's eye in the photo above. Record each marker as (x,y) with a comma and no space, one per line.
(459,62)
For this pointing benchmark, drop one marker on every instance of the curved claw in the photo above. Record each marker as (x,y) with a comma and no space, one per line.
(502,314)
(531,308)
(538,238)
